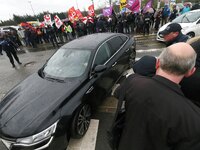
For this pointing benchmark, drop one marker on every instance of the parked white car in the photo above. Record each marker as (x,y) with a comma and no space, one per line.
(190,23)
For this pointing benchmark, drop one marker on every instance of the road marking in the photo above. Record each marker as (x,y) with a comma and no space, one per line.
(153,34)
(147,51)
(88,142)
(150,50)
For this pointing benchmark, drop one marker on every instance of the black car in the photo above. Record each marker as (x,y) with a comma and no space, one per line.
(56,103)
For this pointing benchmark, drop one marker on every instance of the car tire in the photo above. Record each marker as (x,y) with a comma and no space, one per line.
(191,34)
(81,121)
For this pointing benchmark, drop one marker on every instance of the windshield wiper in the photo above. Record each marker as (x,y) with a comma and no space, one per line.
(54,79)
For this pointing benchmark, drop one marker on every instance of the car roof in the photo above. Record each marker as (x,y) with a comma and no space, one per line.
(90,42)
(196,10)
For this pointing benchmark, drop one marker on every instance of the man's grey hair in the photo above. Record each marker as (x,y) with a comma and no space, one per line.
(178,65)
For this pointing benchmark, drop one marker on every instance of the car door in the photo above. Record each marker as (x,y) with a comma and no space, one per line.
(102,82)
(113,55)
(120,58)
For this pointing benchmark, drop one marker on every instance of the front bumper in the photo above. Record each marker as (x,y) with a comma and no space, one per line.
(10,145)
(51,143)
(159,37)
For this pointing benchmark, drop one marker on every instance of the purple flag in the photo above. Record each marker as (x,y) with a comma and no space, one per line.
(134,5)
(148,6)
(107,11)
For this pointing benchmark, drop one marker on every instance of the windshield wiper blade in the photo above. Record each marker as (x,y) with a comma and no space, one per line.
(54,79)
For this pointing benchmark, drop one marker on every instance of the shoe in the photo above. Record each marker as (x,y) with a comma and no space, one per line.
(19,63)
(13,66)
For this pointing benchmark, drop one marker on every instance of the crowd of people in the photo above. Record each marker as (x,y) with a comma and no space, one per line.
(127,22)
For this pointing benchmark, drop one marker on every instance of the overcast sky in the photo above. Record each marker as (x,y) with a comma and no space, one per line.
(23,7)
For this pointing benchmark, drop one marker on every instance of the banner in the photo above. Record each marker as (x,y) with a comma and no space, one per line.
(78,13)
(107,11)
(58,22)
(47,19)
(148,6)
(122,4)
(84,20)
(91,11)
(72,14)
(134,5)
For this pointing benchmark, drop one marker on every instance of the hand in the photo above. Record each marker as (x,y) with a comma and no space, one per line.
(18,49)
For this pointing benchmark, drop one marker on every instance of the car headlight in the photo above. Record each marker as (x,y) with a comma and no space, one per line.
(40,136)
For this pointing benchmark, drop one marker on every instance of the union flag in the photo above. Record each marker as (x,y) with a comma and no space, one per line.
(78,13)
(91,10)
(72,15)
(58,22)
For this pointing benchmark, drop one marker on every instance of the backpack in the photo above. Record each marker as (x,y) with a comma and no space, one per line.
(115,132)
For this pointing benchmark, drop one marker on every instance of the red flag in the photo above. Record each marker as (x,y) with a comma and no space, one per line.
(47,19)
(134,5)
(79,15)
(91,11)
(84,20)
(72,14)
(58,22)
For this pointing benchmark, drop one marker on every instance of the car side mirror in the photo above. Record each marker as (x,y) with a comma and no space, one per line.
(100,68)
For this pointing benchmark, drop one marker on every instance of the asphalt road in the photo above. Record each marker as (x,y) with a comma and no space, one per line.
(33,59)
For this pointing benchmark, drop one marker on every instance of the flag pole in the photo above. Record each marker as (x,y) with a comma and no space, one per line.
(92,2)
(77,4)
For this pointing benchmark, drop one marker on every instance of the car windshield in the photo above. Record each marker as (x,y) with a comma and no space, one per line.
(188,17)
(66,63)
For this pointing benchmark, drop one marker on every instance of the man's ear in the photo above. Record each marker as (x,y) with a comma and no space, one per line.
(190,72)
(175,34)
(157,63)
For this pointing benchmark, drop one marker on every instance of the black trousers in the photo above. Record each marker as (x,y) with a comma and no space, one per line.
(12,54)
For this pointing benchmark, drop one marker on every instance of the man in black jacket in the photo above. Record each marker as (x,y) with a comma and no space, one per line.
(191,86)
(172,34)
(158,116)
(10,48)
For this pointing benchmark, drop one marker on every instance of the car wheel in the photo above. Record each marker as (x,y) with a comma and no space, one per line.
(191,34)
(81,121)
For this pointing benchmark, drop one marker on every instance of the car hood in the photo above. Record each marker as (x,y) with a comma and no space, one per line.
(31,104)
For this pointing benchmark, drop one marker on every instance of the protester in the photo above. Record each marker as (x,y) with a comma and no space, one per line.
(172,34)
(173,13)
(185,9)
(165,14)
(191,86)
(10,48)
(50,31)
(158,116)
(157,19)
(147,22)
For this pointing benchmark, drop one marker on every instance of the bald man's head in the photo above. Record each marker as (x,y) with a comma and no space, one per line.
(178,58)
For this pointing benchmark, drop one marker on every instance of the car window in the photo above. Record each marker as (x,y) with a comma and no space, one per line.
(188,17)
(103,54)
(115,43)
(67,63)
(124,38)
